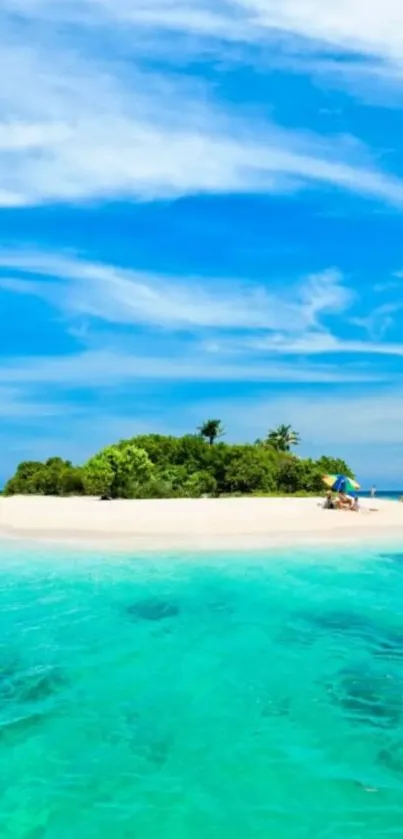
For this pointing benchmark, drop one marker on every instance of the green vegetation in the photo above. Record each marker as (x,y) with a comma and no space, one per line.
(283,438)
(211,430)
(157,466)
(54,477)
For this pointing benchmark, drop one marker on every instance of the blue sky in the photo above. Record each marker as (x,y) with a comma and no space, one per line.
(201,215)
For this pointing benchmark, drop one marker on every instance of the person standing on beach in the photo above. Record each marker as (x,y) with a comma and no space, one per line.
(373,491)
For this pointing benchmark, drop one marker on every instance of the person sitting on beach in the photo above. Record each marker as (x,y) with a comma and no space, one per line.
(329,503)
(345,502)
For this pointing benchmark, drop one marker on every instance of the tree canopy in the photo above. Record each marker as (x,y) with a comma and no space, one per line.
(211,430)
(283,438)
(194,465)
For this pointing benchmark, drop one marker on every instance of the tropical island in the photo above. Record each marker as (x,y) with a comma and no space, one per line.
(195,465)
(195,492)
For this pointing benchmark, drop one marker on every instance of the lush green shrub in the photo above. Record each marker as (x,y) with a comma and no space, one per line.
(161,450)
(250,469)
(54,477)
(117,472)
(158,466)
(296,475)
(194,453)
(199,484)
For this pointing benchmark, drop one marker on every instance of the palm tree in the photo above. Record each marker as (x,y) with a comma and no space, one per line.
(283,438)
(212,429)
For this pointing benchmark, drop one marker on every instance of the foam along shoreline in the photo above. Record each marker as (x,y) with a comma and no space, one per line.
(233,523)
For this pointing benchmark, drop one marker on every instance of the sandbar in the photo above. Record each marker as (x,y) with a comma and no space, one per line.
(206,523)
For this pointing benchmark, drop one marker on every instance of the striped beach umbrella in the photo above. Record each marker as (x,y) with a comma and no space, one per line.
(340,483)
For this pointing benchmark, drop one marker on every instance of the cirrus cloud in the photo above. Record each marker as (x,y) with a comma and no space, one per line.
(157,134)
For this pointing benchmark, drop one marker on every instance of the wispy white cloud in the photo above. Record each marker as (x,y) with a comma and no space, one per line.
(198,329)
(363,427)
(77,126)
(222,19)
(125,296)
(108,368)
(17,404)
(310,36)
(374,29)
(352,24)
(312,343)
(335,420)
(102,292)
(378,323)
(242,319)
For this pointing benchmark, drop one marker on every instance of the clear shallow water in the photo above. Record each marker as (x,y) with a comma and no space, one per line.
(384,494)
(229,696)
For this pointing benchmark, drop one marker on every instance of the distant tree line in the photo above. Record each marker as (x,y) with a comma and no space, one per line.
(192,466)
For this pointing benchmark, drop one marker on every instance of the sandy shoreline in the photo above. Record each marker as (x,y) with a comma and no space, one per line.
(201,524)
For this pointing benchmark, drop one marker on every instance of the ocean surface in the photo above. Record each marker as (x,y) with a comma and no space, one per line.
(201,697)
(386,494)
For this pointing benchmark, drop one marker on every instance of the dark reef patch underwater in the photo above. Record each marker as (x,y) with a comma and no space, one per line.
(212,697)
(152,610)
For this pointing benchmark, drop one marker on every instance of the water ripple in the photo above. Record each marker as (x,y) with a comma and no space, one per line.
(206,698)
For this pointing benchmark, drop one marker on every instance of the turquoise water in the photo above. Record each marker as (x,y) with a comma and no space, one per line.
(227,697)
(384,494)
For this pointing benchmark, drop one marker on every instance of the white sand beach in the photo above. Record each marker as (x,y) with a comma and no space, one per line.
(233,523)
